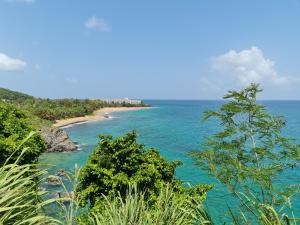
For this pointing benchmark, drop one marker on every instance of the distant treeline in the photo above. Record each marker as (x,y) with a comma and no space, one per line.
(55,109)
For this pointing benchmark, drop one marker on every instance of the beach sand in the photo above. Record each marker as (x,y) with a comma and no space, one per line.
(97,116)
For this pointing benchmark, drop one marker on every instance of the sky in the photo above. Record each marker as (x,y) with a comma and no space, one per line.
(170,49)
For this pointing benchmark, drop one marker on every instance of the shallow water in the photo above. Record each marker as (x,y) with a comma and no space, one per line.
(174,127)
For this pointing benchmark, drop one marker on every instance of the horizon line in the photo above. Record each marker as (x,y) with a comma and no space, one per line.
(220,99)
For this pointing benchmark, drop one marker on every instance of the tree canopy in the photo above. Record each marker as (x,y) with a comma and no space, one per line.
(56,109)
(118,163)
(14,128)
(249,151)
(9,95)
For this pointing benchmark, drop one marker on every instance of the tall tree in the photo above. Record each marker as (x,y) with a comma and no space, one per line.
(249,151)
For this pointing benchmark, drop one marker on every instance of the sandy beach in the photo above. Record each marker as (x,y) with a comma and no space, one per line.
(97,116)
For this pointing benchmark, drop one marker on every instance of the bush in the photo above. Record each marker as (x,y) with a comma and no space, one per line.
(14,128)
(117,163)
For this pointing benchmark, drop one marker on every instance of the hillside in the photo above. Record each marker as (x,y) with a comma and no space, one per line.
(6,94)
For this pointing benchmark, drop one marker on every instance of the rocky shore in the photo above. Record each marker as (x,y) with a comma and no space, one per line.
(58,140)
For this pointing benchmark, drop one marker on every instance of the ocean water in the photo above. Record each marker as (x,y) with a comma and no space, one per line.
(175,128)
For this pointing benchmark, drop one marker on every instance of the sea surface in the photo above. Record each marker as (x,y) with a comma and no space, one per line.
(175,128)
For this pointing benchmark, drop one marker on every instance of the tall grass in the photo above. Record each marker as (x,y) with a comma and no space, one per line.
(169,209)
(173,210)
(20,199)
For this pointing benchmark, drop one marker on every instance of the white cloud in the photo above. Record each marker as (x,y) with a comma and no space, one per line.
(10,64)
(248,66)
(97,23)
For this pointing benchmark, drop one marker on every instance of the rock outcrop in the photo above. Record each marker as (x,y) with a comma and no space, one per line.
(57,140)
(53,181)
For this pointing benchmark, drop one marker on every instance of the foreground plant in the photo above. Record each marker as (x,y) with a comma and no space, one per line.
(250,151)
(260,213)
(134,209)
(20,198)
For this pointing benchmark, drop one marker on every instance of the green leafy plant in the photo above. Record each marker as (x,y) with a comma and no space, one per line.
(14,128)
(249,152)
(117,163)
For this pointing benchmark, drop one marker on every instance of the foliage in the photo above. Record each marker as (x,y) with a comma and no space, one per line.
(260,213)
(55,109)
(14,128)
(9,95)
(20,199)
(21,202)
(117,163)
(52,110)
(250,151)
(133,209)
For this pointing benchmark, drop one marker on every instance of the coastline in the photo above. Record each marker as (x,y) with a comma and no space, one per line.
(98,115)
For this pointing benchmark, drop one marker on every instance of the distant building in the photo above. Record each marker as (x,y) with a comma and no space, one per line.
(124,101)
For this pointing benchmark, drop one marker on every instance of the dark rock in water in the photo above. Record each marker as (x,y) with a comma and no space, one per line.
(53,181)
(57,140)
(61,173)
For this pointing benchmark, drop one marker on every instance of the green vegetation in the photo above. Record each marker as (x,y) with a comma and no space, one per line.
(169,209)
(55,109)
(249,152)
(48,109)
(21,203)
(9,95)
(124,183)
(20,200)
(116,164)
(173,210)
(14,128)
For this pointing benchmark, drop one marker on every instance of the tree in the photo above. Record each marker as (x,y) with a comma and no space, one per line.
(249,152)
(119,163)
(14,128)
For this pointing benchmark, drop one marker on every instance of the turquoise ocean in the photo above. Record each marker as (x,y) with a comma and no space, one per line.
(175,128)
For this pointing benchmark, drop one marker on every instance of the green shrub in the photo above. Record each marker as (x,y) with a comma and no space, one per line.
(14,128)
(117,163)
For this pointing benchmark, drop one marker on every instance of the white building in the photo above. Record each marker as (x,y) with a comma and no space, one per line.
(124,100)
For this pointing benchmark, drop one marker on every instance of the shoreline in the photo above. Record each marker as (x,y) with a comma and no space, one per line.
(98,115)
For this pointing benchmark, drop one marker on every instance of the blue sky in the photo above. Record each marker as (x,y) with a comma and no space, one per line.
(154,49)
